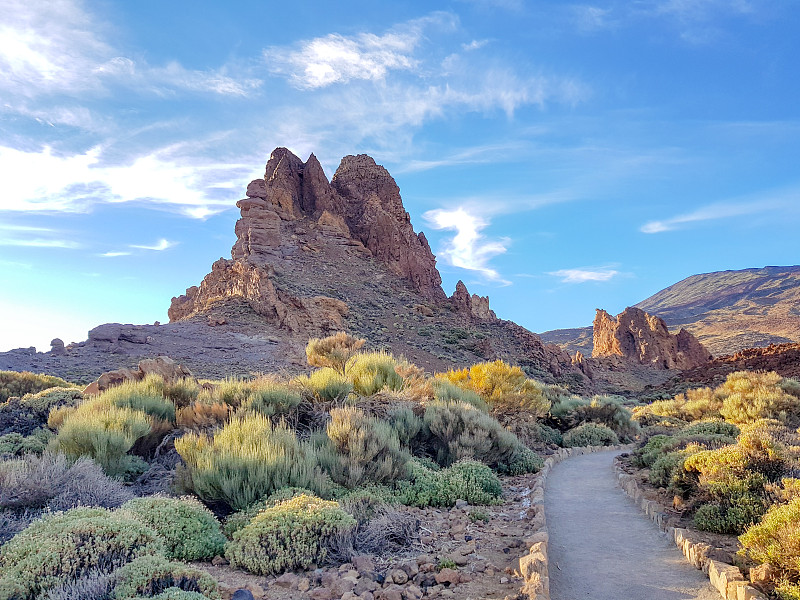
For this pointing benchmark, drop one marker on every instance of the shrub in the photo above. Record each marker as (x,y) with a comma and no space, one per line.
(152,575)
(603,410)
(466,480)
(736,504)
(189,530)
(145,396)
(693,405)
(246,460)
(240,519)
(751,396)
(14,444)
(405,423)
(503,387)
(458,430)
(327,385)
(668,471)
(50,481)
(93,585)
(13,383)
(590,434)
(181,392)
(104,433)
(199,415)
(776,541)
(364,449)
(271,398)
(365,502)
(231,391)
(63,546)
(374,371)
(446,391)
(711,426)
(291,535)
(25,415)
(334,352)
(388,532)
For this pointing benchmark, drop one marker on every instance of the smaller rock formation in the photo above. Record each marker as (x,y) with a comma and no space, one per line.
(163,366)
(57,346)
(579,360)
(472,306)
(639,337)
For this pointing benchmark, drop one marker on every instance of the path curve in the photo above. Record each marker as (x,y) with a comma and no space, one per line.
(601,545)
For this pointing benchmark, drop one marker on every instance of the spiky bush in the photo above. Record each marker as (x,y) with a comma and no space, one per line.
(372,372)
(603,410)
(590,434)
(445,390)
(363,449)
(146,396)
(188,529)
(326,385)
(93,585)
(181,392)
(247,459)
(335,352)
(458,430)
(388,531)
(465,480)
(14,383)
(293,534)
(24,415)
(63,546)
(750,396)
(271,398)
(105,433)
(503,387)
(51,481)
(231,391)
(405,423)
(148,576)
(776,541)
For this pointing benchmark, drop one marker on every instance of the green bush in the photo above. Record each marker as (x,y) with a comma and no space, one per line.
(465,480)
(236,521)
(711,426)
(446,391)
(737,503)
(13,383)
(177,594)
(150,576)
(326,385)
(14,444)
(363,449)
(271,398)
(189,530)
(145,396)
(63,546)
(457,430)
(104,433)
(590,434)
(181,392)
(572,412)
(291,535)
(693,405)
(25,415)
(776,541)
(247,459)
(231,391)
(372,372)
(751,396)
(405,423)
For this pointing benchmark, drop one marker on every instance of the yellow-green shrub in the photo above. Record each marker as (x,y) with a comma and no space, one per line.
(750,396)
(247,459)
(104,433)
(188,529)
(19,383)
(465,480)
(776,541)
(25,415)
(293,534)
(334,352)
(445,390)
(271,398)
(199,415)
(149,576)
(363,449)
(571,412)
(62,546)
(372,372)
(693,405)
(146,396)
(503,387)
(326,385)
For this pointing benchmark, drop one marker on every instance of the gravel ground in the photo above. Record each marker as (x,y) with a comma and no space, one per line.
(602,547)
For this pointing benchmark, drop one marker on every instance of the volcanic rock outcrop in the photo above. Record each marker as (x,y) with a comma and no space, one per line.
(642,338)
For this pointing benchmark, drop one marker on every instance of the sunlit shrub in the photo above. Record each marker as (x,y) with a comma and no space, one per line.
(149,576)
(293,534)
(590,434)
(372,372)
(603,410)
(271,398)
(199,415)
(334,352)
(63,546)
(751,396)
(695,404)
(326,385)
(181,392)
(236,521)
(188,529)
(14,383)
(446,391)
(145,396)
(247,459)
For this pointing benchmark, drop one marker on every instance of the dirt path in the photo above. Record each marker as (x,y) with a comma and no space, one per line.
(603,548)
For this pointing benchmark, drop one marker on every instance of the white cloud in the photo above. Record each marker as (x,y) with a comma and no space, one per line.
(584,274)
(39,243)
(474,45)
(469,248)
(162,244)
(76,182)
(336,58)
(114,254)
(718,211)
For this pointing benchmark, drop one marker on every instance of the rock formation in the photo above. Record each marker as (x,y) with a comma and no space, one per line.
(473,306)
(642,338)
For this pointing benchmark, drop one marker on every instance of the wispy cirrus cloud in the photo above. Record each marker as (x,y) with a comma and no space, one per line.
(722,210)
(162,244)
(468,248)
(585,274)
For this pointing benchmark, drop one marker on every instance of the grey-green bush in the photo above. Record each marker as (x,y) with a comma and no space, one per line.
(590,434)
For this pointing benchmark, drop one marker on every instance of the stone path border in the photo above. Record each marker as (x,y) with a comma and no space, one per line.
(727,579)
(533,566)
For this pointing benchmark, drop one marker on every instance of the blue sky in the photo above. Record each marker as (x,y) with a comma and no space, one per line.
(560,157)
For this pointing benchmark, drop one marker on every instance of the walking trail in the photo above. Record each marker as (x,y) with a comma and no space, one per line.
(601,545)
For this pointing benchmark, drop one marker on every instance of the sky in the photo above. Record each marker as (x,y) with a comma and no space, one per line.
(560,157)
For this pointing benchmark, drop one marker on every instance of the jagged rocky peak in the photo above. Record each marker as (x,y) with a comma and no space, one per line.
(637,336)
(471,305)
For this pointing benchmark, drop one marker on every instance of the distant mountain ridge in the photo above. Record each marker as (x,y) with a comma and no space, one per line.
(727,311)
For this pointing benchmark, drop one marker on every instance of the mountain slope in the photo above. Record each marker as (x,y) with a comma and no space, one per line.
(728,311)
